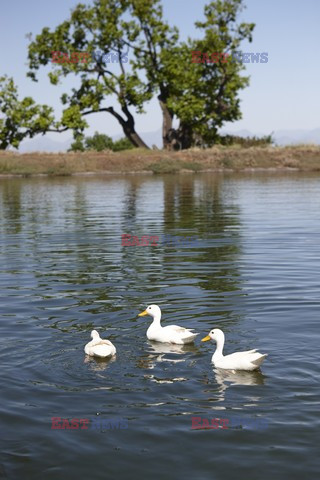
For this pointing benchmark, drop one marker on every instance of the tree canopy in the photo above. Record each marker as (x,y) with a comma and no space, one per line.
(199,97)
(21,118)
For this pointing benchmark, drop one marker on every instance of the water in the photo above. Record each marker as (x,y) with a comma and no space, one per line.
(254,273)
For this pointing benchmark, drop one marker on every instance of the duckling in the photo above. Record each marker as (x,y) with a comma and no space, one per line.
(99,347)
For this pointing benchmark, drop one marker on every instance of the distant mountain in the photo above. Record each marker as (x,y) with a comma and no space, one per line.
(289,137)
(43,143)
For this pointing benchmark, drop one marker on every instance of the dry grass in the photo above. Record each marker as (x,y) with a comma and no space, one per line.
(304,157)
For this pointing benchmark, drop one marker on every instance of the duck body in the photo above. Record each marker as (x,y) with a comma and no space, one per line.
(99,347)
(169,334)
(248,360)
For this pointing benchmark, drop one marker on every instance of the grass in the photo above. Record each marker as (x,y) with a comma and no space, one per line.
(194,166)
(168,165)
(304,157)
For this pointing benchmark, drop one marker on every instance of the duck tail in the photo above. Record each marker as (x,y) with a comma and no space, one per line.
(258,361)
(190,338)
(102,351)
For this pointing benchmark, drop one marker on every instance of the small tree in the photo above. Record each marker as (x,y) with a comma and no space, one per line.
(122,144)
(100,142)
(77,145)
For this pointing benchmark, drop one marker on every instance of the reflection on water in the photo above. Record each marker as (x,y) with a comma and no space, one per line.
(238,377)
(159,353)
(164,348)
(254,272)
(99,364)
(165,380)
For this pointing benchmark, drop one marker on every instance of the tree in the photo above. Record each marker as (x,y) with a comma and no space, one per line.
(20,118)
(200,96)
(89,28)
(205,95)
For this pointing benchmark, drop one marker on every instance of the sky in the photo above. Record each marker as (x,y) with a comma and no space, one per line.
(283,93)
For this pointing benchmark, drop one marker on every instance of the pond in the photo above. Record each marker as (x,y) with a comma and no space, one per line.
(244,256)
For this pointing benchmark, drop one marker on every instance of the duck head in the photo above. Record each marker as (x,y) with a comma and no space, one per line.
(215,334)
(94,334)
(152,310)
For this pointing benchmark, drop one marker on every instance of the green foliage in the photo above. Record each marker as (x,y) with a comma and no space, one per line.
(208,95)
(20,118)
(121,144)
(77,145)
(100,142)
(92,28)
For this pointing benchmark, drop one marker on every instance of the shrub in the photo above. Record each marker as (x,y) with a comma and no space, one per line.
(100,142)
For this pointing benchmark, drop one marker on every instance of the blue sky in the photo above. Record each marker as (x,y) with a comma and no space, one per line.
(283,93)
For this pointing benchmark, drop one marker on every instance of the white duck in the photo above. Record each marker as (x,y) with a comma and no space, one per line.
(249,360)
(168,334)
(99,347)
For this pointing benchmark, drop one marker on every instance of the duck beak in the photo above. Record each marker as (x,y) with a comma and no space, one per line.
(142,314)
(205,339)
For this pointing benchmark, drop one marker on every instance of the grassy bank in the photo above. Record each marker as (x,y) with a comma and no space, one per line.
(302,157)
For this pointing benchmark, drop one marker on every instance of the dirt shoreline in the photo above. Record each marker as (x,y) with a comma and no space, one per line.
(138,161)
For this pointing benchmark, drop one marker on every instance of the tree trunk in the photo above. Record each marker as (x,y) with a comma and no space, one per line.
(134,138)
(173,139)
(185,136)
(167,117)
(128,127)
(180,138)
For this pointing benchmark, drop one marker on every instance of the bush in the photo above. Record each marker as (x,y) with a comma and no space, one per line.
(77,146)
(100,142)
(122,144)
